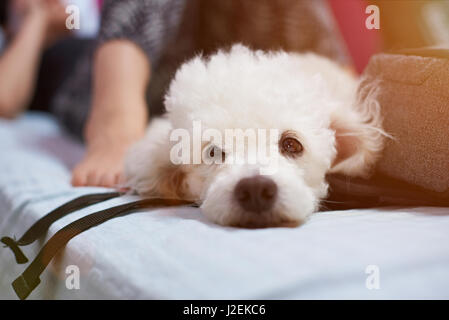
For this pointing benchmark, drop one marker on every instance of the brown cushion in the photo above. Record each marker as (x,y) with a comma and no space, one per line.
(414,99)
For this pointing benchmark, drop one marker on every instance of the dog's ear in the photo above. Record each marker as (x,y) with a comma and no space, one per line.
(171,183)
(358,140)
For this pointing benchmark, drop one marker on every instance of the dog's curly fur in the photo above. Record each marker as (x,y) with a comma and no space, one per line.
(306,94)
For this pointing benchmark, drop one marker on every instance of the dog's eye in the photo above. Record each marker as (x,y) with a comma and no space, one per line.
(214,152)
(291,146)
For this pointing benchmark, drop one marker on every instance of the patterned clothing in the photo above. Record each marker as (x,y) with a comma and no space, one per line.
(2,40)
(150,24)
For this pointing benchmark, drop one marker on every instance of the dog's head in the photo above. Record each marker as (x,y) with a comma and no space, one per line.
(251,135)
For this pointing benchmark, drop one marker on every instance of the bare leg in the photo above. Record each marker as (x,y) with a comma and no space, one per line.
(119,113)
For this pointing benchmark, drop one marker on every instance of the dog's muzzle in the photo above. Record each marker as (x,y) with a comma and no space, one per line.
(256,194)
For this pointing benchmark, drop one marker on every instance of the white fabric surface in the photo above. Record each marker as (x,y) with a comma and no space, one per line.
(177,253)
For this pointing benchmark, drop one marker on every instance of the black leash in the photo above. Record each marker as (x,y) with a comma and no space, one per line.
(41,227)
(29,279)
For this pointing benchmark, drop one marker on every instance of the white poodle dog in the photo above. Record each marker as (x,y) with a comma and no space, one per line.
(307,103)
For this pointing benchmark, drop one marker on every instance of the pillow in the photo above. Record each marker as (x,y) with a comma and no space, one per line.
(414,99)
(413,93)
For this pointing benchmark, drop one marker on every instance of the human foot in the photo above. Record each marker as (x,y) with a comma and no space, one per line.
(102,165)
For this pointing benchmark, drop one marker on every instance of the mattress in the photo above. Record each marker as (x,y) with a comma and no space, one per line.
(175,253)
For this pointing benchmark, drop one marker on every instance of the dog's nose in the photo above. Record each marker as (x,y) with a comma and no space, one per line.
(256,194)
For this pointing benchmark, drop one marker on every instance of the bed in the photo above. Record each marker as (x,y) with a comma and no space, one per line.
(175,253)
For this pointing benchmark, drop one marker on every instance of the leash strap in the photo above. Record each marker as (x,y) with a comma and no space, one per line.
(41,226)
(29,279)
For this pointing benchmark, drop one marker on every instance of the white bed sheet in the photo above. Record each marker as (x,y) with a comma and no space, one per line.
(176,253)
